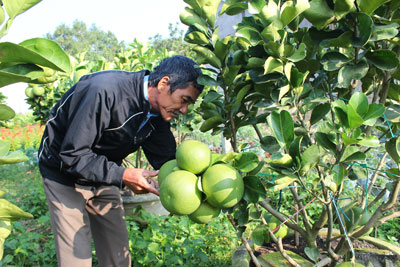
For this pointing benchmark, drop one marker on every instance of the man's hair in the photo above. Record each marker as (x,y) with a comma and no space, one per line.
(182,72)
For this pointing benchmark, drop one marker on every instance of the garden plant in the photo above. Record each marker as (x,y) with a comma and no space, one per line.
(307,94)
(323,77)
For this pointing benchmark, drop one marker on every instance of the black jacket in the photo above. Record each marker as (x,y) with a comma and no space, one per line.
(95,126)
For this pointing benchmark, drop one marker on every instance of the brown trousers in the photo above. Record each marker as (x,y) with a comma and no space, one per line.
(80,213)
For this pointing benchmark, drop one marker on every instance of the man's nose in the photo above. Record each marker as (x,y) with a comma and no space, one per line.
(184,109)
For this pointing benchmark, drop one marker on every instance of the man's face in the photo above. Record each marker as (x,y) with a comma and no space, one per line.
(170,105)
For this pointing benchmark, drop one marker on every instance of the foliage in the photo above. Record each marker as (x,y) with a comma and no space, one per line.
(93,42)
(36,61)
(174,42)
(177,241)
(326,91)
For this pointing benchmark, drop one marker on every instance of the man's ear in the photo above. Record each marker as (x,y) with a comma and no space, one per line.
(163,83)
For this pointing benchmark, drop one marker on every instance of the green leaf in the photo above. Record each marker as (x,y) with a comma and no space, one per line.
(359,102)
(210,57)
(340,109)
(343,40)
(4,147)
(6,113)
(384,32)
(369,6)
(254,190)
(332,61)
(250,34)
(233,9)
(260,235)
(269,144)
(309,158)
(282,182)
(16,7)
(374,112)
(229,74)
(2,18)
(352,72)
(312,253)
(319,14)
(207,9)
(343,7)
(10,212)
(364,30)
(339,173)
(189,17)
(299,54)
(246,161)
(211,123)
(240,95)
(319,112)
(393,173)
(370,141)
(291,10)
(207,80)
(348,140)
(391,148)
(38,51)
(196,37)
(383,59)
(324,141)
(256,6)
(273,65)
(13,157)
(282,127)
(5,230)
(352,153)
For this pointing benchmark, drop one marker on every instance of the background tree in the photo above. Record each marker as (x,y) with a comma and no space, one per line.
(78,38)
(174,42)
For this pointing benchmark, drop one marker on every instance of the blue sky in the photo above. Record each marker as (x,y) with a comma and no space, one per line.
(127,19)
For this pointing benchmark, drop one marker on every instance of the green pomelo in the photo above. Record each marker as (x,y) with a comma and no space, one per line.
(205,213)
(179,193)
(222,185)
(348,264)
(38,91)
(166,169)
(283,229)
(193,156)
(28,92)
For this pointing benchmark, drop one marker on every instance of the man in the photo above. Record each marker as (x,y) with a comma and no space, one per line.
(97,123)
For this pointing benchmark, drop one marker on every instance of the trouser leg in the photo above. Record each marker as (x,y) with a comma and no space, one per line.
(107,222)
(70,224)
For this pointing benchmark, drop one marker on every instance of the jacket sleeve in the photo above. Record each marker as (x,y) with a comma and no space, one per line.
(160,146)
(88,116)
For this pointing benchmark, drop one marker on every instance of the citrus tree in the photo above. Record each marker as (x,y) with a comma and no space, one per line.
(323,77)
(35,61)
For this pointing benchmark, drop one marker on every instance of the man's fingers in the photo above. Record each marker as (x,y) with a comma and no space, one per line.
(150,173)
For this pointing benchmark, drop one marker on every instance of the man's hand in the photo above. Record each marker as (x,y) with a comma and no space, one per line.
(136,180)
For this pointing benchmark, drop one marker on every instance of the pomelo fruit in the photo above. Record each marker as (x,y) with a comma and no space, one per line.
(205,213)
(166,169)
(38,91)
(222,185)
(28,92)
(193,156)
(179,193)
(283,229)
